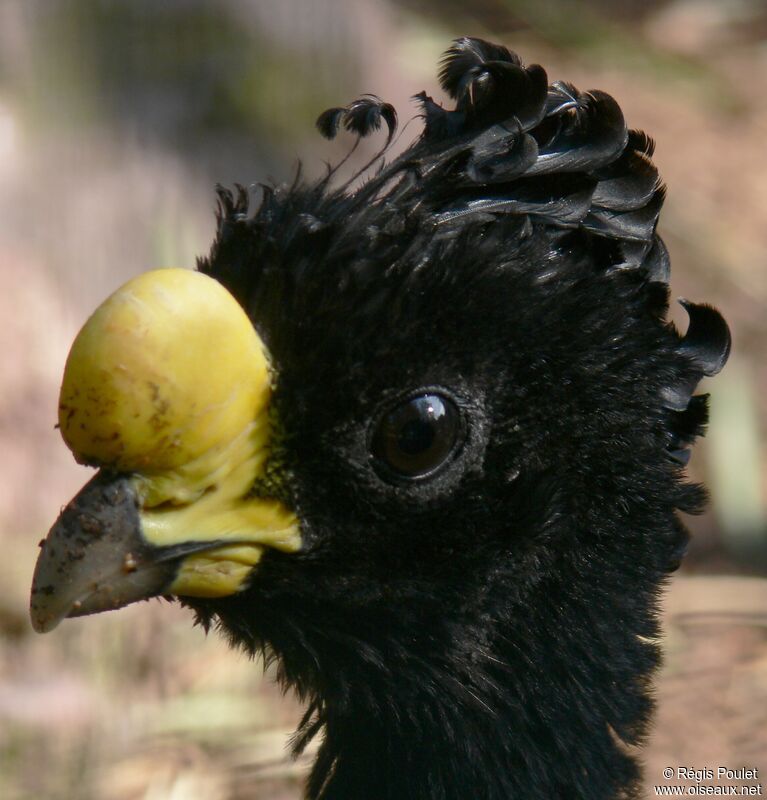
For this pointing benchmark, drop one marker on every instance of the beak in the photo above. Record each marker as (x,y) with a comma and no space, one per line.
(99,555)
(167,389)
(95,557)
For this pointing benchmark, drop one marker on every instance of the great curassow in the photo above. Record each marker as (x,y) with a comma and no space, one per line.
(434,469)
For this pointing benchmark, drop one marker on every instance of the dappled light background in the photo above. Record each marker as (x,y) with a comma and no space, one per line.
(118,117)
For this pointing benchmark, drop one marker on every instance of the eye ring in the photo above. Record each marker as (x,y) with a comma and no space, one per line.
(417,436)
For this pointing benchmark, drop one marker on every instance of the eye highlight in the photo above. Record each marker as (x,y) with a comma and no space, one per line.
(418,436)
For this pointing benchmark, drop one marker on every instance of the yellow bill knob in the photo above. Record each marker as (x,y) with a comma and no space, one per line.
(167,386)
(165,369)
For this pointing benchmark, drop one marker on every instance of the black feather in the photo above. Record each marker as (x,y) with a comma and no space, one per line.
(638,225)
(657,262)
(677,394)
(592,134)
(465,59)
(503,91)
(362,116)
(500,155)
(707,341)
(643,143)
(563,200)
(490,84)
(706,346)
(629,182)
(562,96)
(687,425)
(329,121)
(438,123)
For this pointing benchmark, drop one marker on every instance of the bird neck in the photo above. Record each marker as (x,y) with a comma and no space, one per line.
(548,716)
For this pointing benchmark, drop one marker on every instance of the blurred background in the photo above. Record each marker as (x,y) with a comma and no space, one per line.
(117,117)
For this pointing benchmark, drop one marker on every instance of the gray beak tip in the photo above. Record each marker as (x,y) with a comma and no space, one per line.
(95,557)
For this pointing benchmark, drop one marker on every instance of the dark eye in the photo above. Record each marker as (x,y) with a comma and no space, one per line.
(418,436)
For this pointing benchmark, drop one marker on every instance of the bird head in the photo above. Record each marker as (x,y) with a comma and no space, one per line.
(424,434)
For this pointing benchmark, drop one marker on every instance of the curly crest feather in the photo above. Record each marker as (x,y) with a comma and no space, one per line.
(510,251)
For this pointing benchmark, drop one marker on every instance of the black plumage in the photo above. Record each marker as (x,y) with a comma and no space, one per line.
(483,624)
(362,116)
(492,631)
